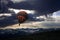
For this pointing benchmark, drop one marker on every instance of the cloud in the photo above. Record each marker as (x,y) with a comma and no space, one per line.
(41,6)
(57,13)
(17,1)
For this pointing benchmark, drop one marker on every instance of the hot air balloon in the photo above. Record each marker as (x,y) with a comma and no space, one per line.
(22,16)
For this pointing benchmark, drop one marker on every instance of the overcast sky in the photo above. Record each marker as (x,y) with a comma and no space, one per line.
(42,6)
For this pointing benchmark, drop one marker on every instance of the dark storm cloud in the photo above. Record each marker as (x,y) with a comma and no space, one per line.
(4,5)
(42,6)
(46,5)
